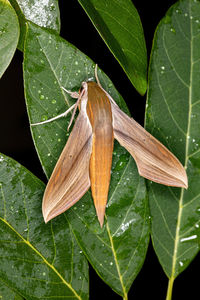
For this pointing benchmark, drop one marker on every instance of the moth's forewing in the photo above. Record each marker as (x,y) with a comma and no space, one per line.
(70,178)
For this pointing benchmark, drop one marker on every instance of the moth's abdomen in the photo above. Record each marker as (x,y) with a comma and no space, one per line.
(100,116)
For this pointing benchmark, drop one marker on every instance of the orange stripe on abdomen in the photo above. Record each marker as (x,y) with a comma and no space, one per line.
(100,116)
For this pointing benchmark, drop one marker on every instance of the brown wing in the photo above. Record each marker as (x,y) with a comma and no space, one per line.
(70,178)
(154,160)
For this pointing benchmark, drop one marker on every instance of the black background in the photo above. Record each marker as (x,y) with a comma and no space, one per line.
(16,141)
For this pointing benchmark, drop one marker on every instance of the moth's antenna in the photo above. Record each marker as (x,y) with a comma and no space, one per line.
(98,82)
(96,76)
(72,94)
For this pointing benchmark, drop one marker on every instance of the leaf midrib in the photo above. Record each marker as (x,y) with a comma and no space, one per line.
(177,235)
(116,262)
(43,258)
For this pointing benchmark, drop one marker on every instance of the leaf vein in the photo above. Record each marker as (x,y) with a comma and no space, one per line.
(25,208)
(170,61)
(43,258)
(168,108)
(163,217)
(161,244)
(4,200)
(116,261)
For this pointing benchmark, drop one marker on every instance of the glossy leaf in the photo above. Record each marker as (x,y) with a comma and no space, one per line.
(36,260)
(173,115)
(9,34)
(119,25)
(117,251)
(43,13)
(7,293)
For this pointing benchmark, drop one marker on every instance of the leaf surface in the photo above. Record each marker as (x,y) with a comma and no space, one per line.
(7,293)
(118,250)
(36,260)
(9,34)
(43,13)
(119,25)
(173,116)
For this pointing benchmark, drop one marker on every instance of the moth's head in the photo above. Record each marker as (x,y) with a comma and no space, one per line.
(83,89)
(83,96)
(83,86)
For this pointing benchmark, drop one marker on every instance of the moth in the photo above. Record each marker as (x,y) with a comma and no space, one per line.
(86,159)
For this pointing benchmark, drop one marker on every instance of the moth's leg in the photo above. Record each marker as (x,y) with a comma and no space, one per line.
(72,94)
(57,117)
(75,108)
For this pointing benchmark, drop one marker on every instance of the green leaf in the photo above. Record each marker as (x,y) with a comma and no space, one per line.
(119,25)
(173,116)
(43,13)
(7,293)
(118,250)
(36,260)
(9,34)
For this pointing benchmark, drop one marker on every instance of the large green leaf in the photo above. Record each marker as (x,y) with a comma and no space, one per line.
(117,251)
(41,12)
(36,260)
(9,34)
(119,25)
(173,115)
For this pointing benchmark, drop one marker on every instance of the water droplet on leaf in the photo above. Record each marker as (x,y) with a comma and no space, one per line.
(172,30)
(44,118)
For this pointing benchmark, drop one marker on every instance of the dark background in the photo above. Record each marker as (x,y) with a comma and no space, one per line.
(16,141)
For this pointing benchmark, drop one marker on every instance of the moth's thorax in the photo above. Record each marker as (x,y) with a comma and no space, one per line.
(98,105)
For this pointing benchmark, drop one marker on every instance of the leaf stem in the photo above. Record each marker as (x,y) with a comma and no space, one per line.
(125,297)
(170,288)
